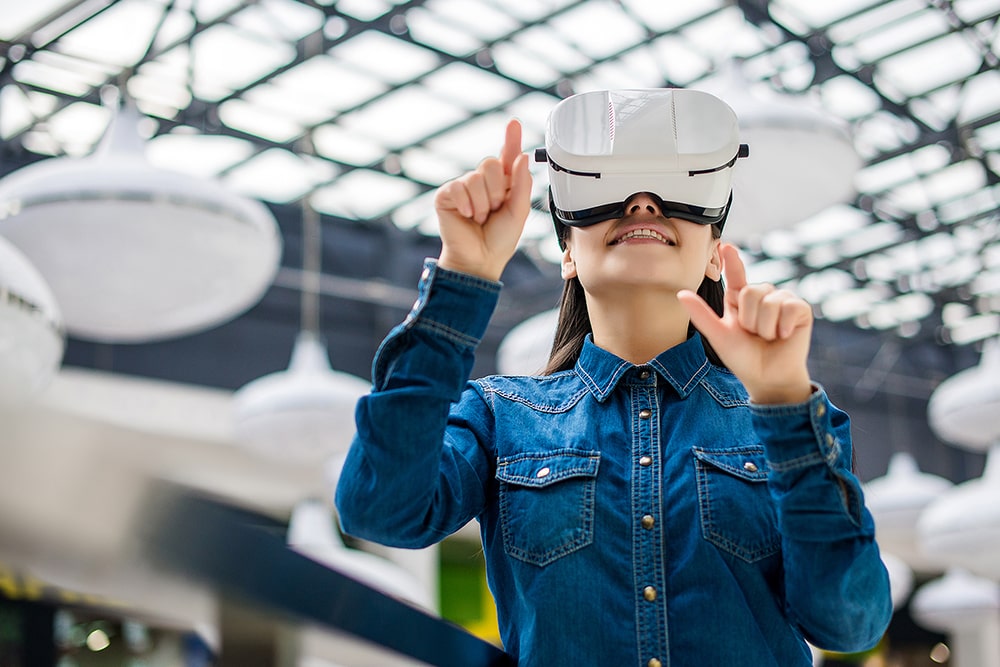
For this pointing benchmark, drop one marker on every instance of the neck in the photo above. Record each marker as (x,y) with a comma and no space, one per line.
(639,325)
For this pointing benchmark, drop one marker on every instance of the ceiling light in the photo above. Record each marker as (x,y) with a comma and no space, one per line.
(303,414)
(134,253)
(31,330)
(963,409)
(525,348)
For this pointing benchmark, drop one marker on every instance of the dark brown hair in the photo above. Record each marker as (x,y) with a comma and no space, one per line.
(574,320)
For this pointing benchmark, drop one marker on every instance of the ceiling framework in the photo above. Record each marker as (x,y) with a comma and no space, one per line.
(366,106)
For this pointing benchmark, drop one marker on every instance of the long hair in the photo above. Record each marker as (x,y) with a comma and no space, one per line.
(574,319)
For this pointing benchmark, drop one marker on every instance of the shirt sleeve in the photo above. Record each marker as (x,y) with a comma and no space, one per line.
(836,586)
(415,473)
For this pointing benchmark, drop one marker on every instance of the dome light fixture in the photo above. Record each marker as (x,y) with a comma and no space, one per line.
(31,328)
(134,253)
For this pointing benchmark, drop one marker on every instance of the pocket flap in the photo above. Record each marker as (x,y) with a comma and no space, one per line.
(540,469)
(744,462)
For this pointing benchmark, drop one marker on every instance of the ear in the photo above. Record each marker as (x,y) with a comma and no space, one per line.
(568,266)
(713,271)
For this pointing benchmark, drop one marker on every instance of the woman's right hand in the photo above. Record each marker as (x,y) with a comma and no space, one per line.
(482,213)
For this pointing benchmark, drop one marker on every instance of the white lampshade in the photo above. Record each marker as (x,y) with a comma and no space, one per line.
(962,528)
(896,501)
(964,409)
(900,578)
(968,609)
(525,349)
(802,159)
(31,329)
(311,532)
(303,414)
(134,253)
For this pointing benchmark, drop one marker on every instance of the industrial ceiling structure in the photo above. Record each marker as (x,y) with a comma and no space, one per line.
(361,108)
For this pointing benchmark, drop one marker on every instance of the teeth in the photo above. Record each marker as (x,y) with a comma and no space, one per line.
(645,234)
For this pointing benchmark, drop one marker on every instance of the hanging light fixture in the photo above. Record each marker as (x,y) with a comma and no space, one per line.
(525,349)
(896,501)
(962,528)
(311,532)
(304,413)
(134,253)
(968,609)
(802,160)
(31,328)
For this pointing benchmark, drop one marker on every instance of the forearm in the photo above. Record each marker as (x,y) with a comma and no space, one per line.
(408,479)
(836,587)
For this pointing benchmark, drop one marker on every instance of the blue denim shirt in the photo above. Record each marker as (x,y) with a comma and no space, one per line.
(630,515)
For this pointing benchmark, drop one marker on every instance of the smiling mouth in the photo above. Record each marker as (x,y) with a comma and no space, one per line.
(643,234)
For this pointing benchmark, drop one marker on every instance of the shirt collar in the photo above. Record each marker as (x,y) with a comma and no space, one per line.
(682,366)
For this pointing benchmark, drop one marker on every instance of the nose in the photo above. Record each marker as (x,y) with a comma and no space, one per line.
(642,202)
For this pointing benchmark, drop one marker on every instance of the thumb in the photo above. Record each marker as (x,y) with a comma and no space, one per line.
(704,319)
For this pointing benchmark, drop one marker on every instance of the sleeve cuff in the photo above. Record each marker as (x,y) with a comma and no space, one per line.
(455,305)
(799,435)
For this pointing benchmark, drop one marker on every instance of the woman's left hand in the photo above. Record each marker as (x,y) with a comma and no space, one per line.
(763,335)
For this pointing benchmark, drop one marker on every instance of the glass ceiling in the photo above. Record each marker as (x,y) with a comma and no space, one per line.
(365,106)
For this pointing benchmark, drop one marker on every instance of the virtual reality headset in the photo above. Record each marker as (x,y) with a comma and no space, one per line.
(603,147)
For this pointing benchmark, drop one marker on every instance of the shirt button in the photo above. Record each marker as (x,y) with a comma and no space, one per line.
(653,662)
(750,466)
(829,439)
(544,472)
(645,413)
(644,374)
(648,522)
(645,460)
(649,593)
(820,410)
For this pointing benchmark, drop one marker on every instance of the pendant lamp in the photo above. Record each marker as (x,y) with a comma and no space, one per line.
(962,528)
(304,414)
(802,159)
(31,328)
(896,501)
(963,409)
(134,253)
(312,532)
(968,609)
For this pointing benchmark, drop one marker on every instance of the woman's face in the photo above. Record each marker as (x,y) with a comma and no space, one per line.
(642,249)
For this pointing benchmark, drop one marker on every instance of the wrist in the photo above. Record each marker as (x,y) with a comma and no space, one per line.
(782,394)
(450,263)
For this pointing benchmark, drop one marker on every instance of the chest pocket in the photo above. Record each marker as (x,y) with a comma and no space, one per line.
(737,513)
(547,503)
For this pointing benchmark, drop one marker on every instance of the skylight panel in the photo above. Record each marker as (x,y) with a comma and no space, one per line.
(78,127)
(519,64)
(363,194)
(725,34)
(831,224)
(883,132)
(253,119)
(929,66)
(215,152)
(430,29)
(955,180)
(48,77)
(295,105)
(18,110)
(533,111)
(470,142)
(871,238)
(208,11)
(679,60)
(848,304)
(531,10)
(18,17)
(472,88)
(403,117)
(390,59)
(880,176)
(598,28)
(482,19)
(664,16)
(972,11)
(915,29)
(818,286)
(103,38)
(279,176)
(427,166)
(980,96)
(228,59)
(415,213)
(770,271)
(974,328)
(551,48)
(819,14)
(364,10)
(329,84)
(880,17)
(337,143)
(848,98)
(279,19)
(636,69)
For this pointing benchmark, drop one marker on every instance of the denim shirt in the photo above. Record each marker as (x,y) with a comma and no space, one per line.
(630,515)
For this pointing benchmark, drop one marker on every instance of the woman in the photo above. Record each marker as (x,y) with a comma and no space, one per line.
(639,504)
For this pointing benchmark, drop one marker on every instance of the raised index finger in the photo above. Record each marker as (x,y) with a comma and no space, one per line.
(733,269)
(511,146)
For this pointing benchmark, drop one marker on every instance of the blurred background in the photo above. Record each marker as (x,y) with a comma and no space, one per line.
(212,211)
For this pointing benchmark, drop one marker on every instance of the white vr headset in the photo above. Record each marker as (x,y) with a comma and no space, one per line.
(603,147)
